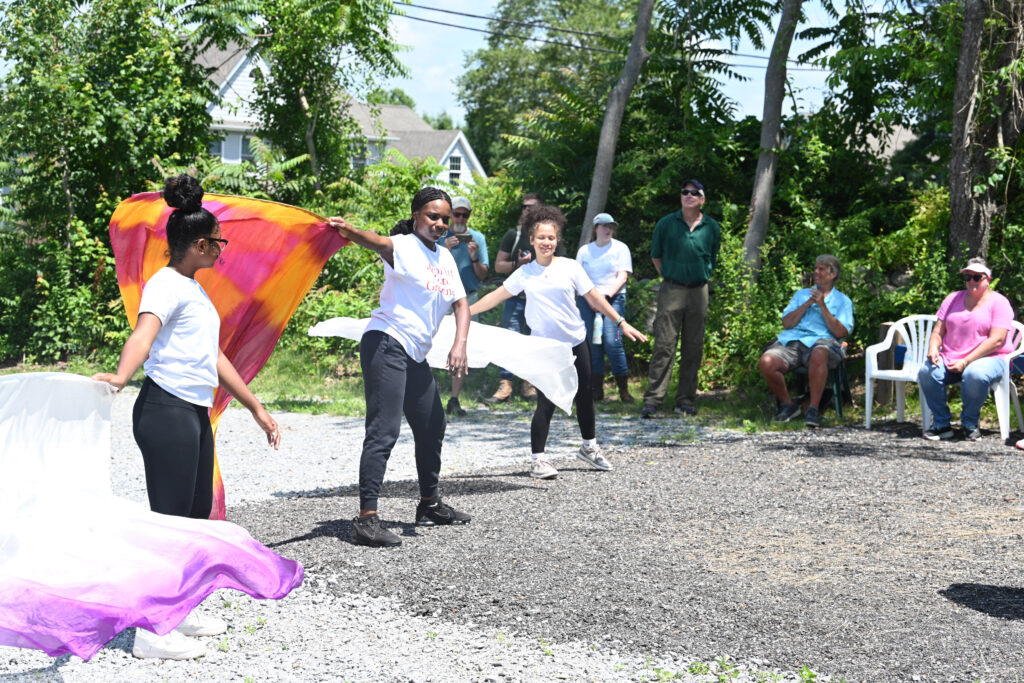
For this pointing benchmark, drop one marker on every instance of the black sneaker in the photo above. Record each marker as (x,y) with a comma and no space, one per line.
(436,513)
(812,419)
(685,409)
(647,412)
(787,411)
(369,531)
(454,407)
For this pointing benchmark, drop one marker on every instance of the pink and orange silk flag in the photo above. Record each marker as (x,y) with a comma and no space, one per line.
(275,254)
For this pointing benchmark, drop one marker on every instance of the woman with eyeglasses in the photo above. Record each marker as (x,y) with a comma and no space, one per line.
(177,335)
(421,282)
(967,345)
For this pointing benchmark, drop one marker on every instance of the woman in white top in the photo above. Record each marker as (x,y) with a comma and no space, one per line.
(177,335)
(552,284)
(608,263)
(421,281)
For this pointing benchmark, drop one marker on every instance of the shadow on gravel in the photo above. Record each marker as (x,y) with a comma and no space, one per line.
(843,448)
(1004,602)
(451,485)
(49,673)
(341,529)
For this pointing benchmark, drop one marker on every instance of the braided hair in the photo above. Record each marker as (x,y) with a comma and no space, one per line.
(422,198)
(189,221)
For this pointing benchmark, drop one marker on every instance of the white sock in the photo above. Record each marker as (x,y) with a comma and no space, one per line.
(537,456)
(590,443)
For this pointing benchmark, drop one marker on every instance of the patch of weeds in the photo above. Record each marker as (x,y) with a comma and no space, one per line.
(502,639)
(432,635)
(250,679)
(250,629)
(545,646)
(285,646)
(726,670)
(226,604)
(767,677)
(750,427)
(699,668)
(223,645)
(666,675)
(807,675)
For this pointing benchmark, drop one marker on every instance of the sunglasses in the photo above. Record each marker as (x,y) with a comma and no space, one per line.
(692,193)
(461,214)
(976,277)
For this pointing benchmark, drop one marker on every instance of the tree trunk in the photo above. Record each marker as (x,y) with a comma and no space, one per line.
(771,136)
(617,100)
(981,128)
(314,164)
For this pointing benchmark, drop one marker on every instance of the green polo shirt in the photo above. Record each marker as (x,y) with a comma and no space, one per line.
(686,256)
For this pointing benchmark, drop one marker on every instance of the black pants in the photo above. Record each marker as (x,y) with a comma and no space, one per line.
(394,384)
(176,441)
(584,404)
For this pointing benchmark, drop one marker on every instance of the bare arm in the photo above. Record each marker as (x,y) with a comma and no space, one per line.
(618,283)
(134,352)
(601,305)
(503,263)
(457,362)
(381,244)
(995,339)
(657,264)
(490,301)
(935,341)
(479,269)
(232,381)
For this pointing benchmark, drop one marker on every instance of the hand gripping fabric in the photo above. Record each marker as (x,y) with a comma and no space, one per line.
(275,254)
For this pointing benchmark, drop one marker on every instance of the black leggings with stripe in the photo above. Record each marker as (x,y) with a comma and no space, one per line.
(584,404)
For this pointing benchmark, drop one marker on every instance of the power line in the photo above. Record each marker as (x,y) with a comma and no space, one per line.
(507,35)
(528,24)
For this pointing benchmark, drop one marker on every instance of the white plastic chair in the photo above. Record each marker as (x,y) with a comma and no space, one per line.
(915,331)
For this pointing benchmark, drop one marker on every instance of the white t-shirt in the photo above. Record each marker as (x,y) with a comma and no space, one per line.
(551,298)
(417,292)
(604,263)
(183,358)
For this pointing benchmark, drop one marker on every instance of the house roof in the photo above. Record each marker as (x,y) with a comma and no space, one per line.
(393,118)
(223,62)
(416,144)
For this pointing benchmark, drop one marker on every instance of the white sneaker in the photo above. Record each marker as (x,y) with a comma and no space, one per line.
(592,456)
(542,469)
(199,624)
(172,646)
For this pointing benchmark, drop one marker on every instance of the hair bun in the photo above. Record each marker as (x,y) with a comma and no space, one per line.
(183,192)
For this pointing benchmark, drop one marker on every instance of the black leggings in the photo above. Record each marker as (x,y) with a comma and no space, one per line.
(176,441)
(584,404)
(394,384)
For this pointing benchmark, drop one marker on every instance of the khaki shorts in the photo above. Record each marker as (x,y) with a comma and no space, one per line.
(795,354)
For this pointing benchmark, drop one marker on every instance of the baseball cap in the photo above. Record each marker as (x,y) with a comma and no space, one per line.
(461,203)
(695,183)
(604,219)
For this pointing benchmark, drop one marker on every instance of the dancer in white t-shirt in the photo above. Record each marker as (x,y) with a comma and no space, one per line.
(552,284)
(421,281)
(177,335)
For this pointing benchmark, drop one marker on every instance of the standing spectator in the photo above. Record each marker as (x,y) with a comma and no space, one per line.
(608,263)
(814,322)
(469,247)
(514,252)
(968,343)
(684,251)
(420,285)
(552,284)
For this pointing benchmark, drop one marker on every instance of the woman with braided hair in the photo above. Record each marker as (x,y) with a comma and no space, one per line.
(421,282)
(178,337)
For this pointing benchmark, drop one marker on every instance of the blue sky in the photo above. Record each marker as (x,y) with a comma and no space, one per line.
(437,55)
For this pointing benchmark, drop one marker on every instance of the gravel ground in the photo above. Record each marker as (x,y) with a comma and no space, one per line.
(869,556)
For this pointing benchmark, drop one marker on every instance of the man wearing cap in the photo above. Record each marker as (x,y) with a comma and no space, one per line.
(814,323)
(515,251)
(968,344)
(469,247)
(608,263)
(684,251)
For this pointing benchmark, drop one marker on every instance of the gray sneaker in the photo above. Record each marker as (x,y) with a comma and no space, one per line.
(942,433)
(973,435)
(787,411)
(542,469)
(592,456)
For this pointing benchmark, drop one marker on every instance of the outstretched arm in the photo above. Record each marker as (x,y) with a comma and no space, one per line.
(381,244)
(601,305)
(233,382)
(490,301)
(134,352)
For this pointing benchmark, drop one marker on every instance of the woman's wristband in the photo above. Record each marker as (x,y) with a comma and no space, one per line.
(620,321)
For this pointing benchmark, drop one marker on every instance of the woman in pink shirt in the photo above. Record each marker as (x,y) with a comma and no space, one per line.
(968,345)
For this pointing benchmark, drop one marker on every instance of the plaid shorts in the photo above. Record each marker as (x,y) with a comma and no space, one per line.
(796,354)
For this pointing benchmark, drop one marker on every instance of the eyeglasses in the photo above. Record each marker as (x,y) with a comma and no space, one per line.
(220,242)
(461,214)
(976,277)
(527,207)
(692,193)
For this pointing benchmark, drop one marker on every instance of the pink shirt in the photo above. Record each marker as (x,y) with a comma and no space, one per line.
(966,329)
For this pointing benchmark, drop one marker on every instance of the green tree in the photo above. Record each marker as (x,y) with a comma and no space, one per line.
(392,96)
(440,121)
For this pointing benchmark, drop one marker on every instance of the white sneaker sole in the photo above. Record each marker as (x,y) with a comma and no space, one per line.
(593,463)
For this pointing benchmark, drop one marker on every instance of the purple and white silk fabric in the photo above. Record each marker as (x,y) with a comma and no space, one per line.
(79,565)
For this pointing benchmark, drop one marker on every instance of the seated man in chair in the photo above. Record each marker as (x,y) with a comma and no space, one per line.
(814,323)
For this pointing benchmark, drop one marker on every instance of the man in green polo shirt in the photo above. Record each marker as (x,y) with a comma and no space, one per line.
(684,250)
